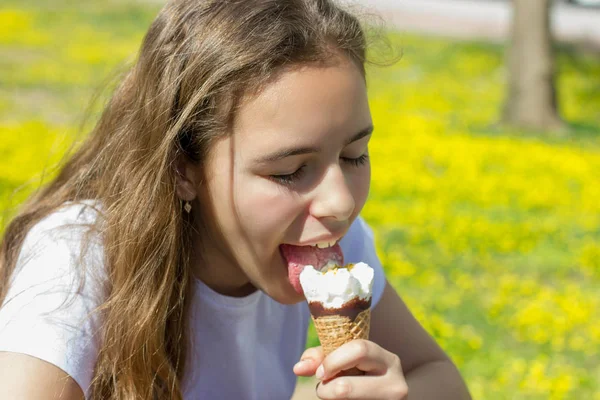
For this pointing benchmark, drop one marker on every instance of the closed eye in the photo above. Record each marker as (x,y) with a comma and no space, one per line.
(356,162)
(288,179)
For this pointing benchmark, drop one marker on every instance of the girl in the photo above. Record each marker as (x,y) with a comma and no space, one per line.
(152,266)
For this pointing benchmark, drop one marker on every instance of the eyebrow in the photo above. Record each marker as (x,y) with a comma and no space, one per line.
(294,151)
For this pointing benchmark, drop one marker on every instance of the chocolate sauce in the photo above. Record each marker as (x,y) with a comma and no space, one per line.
(350,309)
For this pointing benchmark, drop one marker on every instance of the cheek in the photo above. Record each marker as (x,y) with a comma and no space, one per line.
(266,211)
(361,182)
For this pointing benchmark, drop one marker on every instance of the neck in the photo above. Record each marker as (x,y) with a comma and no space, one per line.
(221,286)
(219,272)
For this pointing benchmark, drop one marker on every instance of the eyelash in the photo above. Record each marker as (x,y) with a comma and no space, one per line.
(291,178)
(357,162)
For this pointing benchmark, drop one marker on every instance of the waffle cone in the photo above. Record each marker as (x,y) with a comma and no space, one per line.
(335,330)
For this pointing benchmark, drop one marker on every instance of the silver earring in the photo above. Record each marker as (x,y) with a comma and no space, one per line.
(187,207)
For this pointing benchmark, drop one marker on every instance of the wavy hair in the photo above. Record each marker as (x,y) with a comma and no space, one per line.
(198,58)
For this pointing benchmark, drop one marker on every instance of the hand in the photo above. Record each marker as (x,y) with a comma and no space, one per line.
(382,379)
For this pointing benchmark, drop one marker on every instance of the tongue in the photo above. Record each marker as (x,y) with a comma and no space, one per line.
(298,257)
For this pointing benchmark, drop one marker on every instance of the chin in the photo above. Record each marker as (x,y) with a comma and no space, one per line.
(295,298)
(283,293)
(274,282)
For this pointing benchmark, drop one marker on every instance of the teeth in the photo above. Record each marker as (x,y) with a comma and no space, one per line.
(324,245)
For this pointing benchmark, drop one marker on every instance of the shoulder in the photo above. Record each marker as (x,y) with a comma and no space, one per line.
(61,256)
(57,283)
(69,219)
(55,245)
(356,235)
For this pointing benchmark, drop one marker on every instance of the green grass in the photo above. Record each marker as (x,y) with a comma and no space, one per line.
(490,234)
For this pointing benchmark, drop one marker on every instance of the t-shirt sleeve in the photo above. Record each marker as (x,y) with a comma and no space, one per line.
(359,246)
(45,312)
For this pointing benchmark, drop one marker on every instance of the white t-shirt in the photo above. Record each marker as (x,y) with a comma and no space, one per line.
(241,348)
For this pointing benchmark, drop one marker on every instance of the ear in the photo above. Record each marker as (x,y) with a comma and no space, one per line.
(187,178)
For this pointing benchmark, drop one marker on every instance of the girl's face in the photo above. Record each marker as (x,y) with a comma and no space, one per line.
(295,171)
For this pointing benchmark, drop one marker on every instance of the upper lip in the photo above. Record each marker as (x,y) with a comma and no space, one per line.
(320,239)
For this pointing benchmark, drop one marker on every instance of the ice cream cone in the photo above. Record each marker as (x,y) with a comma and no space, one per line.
(335,330)
(339,300)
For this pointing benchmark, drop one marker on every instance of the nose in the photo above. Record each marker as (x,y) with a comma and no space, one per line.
(333,196)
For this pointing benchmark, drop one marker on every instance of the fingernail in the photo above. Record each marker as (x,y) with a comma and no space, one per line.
(301,363)
(320,372)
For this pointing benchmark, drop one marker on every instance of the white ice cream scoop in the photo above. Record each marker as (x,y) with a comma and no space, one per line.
(334,286)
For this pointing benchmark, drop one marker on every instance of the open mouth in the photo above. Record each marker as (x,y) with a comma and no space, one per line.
(318,255)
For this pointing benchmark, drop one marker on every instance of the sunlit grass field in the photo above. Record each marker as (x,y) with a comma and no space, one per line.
(491,235)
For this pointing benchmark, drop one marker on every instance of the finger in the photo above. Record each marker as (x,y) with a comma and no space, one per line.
(309,362)
(363,387)
(351,372)
(307,367)
(362,354)
(316,353)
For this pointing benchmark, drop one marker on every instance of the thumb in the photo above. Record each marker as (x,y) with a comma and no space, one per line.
(309,362)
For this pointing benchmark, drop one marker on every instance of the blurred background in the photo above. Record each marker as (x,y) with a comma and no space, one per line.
(486,162)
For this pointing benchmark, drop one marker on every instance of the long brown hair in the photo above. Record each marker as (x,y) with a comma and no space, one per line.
(196,61)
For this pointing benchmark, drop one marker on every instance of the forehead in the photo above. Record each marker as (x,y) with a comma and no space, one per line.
(304,103)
